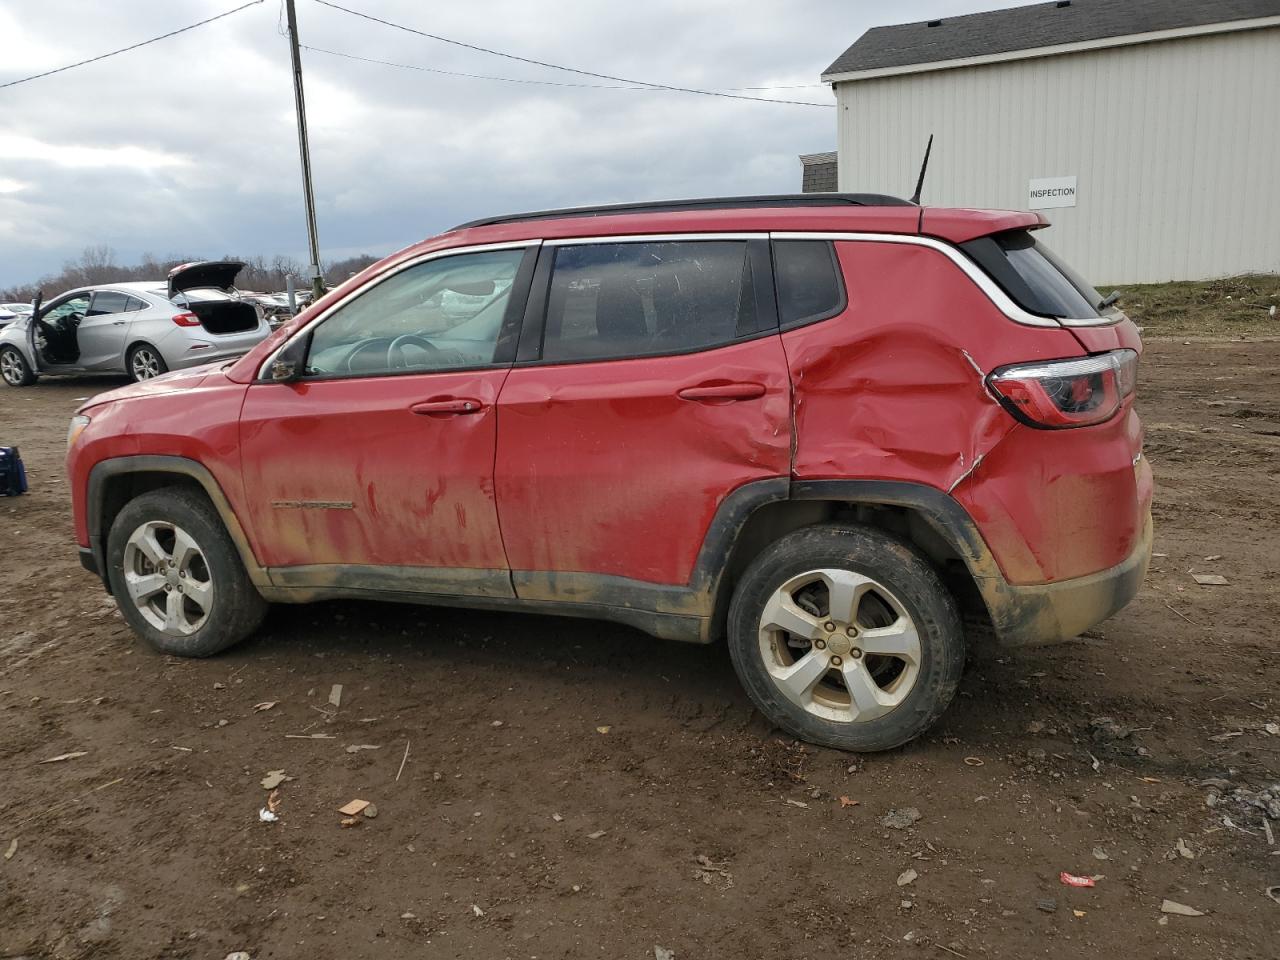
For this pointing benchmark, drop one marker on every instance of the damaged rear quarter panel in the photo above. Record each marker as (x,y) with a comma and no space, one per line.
(893,388)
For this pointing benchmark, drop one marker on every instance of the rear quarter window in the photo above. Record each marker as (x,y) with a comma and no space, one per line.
(808,278)
(1033,277)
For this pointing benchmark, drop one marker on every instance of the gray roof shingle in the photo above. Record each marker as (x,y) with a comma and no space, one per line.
(1038,25)
(820,173)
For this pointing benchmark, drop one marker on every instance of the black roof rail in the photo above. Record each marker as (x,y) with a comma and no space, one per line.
(708,203)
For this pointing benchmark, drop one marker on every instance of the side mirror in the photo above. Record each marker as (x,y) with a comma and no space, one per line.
(291,362)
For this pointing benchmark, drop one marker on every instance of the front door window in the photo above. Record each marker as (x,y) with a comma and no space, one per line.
(444,314)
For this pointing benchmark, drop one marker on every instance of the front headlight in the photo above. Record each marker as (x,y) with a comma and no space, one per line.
(78,423)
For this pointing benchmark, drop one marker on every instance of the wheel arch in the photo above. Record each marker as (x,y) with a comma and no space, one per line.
(933,522)
(114,482)
(133,344)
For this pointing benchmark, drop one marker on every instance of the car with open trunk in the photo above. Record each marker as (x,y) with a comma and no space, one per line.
(142,328)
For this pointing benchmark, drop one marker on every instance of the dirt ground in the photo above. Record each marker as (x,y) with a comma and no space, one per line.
(575,789)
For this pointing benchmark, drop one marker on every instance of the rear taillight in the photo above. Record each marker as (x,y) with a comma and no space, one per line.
(1056,394)
(186,319)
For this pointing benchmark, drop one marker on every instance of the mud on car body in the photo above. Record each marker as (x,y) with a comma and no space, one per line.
(822,429)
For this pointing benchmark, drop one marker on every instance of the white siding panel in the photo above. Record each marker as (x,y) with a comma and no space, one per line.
(1176,146)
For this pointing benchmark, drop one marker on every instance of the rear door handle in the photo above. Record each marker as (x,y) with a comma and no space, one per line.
(447,406)
(722,392)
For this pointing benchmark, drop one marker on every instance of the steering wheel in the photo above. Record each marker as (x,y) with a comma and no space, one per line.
(361,348)
(395,352)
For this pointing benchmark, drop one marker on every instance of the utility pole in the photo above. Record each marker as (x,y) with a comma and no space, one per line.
(313,237)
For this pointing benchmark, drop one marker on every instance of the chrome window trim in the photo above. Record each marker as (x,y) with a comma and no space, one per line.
(261,373)
(971,270)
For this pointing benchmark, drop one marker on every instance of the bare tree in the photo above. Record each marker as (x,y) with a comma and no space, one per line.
(98,265)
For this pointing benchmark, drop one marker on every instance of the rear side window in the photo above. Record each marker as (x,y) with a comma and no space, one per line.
(1032,276)
(613,300)
(135,304)
(808,278)
(108,301)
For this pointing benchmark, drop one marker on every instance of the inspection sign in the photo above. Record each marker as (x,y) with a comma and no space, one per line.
(1049,192)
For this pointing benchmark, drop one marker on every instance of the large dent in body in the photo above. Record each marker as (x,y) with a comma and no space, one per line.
(894,388)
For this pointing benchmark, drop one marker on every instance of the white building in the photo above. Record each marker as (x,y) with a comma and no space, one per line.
(1147,130)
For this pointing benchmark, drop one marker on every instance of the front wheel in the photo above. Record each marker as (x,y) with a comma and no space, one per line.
(177,576)
(845,637)
(145,362)
(14,368)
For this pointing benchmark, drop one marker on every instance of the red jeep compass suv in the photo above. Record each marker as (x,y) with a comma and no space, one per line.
(820,427)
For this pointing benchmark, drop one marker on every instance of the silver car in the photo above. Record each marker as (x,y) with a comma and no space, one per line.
(12,311)
(140,328)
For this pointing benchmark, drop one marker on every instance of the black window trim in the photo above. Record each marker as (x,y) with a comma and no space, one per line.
(841,306)
(529,353)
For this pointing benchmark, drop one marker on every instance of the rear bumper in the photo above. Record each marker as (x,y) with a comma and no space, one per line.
(1047,613)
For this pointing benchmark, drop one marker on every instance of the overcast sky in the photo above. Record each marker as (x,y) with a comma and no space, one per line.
(188,146)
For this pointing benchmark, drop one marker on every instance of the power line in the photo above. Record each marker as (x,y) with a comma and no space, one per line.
(163,36)
(471,76)
(544,83)
(557,66)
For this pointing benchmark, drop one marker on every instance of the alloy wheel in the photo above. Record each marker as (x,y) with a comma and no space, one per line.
(145,364)
(13,368)
(168,579)
(840,645)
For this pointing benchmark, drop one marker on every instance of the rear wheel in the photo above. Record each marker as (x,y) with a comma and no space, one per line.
(177,576)
(846,637)
(14,368)
(145,362)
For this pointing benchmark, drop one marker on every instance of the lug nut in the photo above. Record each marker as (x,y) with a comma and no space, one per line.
(852,631)
(855,653)
(820,644)
(829,627)
(836,661)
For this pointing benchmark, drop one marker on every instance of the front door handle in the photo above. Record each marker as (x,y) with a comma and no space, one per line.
(118,323)
(447,407)
(722,392)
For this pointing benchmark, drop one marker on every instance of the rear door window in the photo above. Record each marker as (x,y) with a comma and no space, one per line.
(1033,277)
(616,300)
(108,301)
(808,279)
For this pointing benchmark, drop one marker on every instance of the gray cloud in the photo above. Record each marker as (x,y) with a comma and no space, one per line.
(188,146)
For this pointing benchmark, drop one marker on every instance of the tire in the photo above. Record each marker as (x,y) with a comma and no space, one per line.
(801,678)
(216,604)
(14,368)
(144,362)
